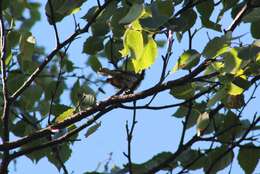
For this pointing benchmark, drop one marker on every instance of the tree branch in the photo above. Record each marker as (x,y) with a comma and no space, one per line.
(245,9)
(115,100)
(6,108)
(31,78)
(63,138)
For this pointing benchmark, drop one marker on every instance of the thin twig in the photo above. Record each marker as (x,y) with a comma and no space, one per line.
(185,124)
(35,74)
(129,140)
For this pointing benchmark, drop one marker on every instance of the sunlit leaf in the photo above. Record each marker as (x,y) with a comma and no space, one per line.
(148,56)
(187,60)
(65,115)
(133,43)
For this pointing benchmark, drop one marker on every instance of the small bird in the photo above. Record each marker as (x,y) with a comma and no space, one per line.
(123,80)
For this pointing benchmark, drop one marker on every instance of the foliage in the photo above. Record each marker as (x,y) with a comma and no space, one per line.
(212,84)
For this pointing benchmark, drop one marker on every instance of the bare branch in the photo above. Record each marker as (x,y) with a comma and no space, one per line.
(129,140)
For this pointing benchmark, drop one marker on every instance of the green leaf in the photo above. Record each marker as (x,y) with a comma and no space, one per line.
(227,4)
(65,115)
(92,129)
(112,49)
(134,13)
(231,125)
(202,123)
(196,110)
(118,29)
(248,157)
(31,95)
(183,91)
(213,155)
(94,63)
(183,23)
(15,80)
(93,45)
(217,97)
(100,28)
(153,162)
(90,14)
(23,128)
(152,23)
(231,61)
(12,40)
(189,17)
(27,44)
(44,107)
(148,56)
(255,30)
(36,155)
(58,109)
(205,8)
(20,128)
(248,53)
(213,46)
(165,8)
(61,9)
(253,16)
(192,159)
(64,151)
(209,24)
(49,86)
(187,60)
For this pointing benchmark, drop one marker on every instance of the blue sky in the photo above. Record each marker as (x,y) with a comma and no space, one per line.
(156,131)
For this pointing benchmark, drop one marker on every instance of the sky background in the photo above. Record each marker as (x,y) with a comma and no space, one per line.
(156,131)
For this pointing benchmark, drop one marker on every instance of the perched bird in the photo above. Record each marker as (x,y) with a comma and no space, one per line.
(123,80)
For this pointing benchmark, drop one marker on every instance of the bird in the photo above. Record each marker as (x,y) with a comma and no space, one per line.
(123,80)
